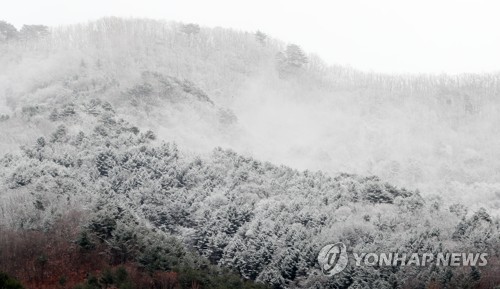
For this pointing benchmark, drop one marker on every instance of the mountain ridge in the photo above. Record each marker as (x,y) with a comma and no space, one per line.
(153,133)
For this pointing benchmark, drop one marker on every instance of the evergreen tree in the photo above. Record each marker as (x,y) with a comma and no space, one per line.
(7,31)
(190,29)
(261,37)
(295,56)
(475,274)
(33,32)
(7,282)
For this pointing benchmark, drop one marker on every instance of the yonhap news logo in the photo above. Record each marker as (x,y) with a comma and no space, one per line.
(333,259)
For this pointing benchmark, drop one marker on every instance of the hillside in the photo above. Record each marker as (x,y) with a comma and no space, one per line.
(434,133)
(264,221)
(172,149)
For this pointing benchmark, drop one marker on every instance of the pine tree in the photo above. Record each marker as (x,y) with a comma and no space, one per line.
(7,31)
(190,28)
(7,282)
(33,32)
(261,37)
(475,274)
(60,134)
(105,162)
(295,56)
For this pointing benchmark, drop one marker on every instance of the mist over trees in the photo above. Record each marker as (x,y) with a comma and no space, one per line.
(262,221)
(184,152)
(28,32)
(33,32)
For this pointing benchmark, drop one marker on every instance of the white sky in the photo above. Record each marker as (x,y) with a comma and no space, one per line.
(430,36)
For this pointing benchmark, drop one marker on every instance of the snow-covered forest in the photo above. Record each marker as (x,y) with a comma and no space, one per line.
(193,157)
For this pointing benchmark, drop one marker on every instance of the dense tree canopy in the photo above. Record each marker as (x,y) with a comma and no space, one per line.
(266,222)
(139,125)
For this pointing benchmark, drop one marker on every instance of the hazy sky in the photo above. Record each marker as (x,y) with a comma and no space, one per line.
(385,35)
